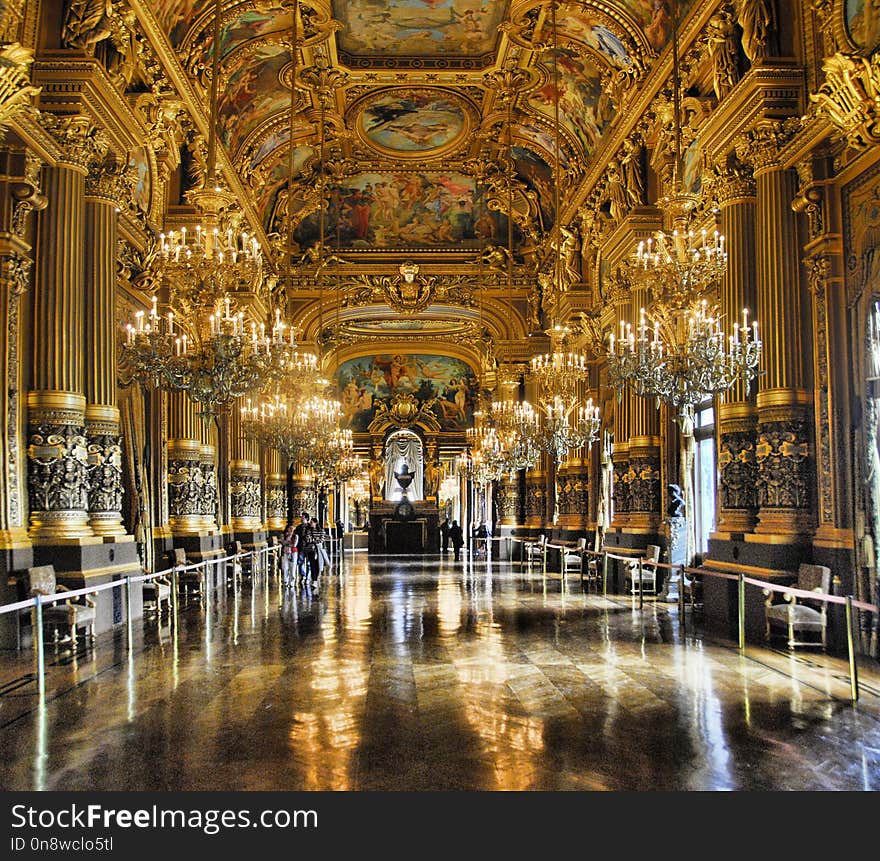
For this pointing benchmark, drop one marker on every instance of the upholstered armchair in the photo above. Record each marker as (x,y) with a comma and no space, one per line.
(794,617)
(649,571)
(62,614)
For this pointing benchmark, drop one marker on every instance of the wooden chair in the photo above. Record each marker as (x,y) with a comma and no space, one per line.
(67,614)
(591,571)
(792,619)
(649,571)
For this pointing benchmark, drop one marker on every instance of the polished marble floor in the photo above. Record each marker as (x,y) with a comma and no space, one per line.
(406,673)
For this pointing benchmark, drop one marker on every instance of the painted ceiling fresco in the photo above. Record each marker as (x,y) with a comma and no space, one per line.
(584,109)
(366,382)
(400,209)
(253,92)
(418,28)
(412,122)
(423,126)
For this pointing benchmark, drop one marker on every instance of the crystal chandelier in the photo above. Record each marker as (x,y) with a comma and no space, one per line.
(679,352)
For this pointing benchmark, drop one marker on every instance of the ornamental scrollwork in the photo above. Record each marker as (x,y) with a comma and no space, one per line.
(850,98)
(105,472)
(58,467)
(245,496)
(738,470)
(186,488)
(782,454)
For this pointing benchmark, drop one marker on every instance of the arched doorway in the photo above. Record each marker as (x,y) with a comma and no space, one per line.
(404,451)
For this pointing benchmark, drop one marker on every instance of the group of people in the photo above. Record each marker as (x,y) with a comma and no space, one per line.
(451,533)
(303,551)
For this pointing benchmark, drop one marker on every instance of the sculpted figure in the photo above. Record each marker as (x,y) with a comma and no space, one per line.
(86,23)
(722,49)
(757,21)
(630,164)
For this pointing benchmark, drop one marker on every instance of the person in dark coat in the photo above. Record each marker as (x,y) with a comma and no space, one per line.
(444,535)
(457,538)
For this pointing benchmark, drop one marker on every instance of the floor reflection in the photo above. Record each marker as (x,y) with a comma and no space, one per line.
(411,673)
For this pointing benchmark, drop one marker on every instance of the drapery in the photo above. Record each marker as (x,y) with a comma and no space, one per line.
(403,448)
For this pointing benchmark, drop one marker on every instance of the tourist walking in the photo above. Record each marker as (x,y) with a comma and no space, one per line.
(457,538)
(444,535)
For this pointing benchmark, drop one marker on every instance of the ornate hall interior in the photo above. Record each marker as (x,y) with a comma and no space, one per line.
(560,317)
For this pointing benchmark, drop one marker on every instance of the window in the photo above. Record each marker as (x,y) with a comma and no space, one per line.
(704,475)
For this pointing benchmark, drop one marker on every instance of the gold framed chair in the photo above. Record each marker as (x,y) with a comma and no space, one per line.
(158,592)
(69,614)
(792,617)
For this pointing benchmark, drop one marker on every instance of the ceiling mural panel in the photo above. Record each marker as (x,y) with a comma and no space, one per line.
(585,110)
(412,122)
(253,94)
(271,197)
(418,28)
(176,16)
(579,25)
(366,382)
(538,176)
(400,209)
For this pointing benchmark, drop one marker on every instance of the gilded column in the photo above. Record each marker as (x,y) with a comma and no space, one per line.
(58,473)
(643,473)
(737,413)
(106,188)
(276,492)
(244,479)
(783,450)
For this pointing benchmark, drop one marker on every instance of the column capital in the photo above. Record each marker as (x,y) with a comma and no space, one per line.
(110,181)
(732,181)
(81,142)
(761,146)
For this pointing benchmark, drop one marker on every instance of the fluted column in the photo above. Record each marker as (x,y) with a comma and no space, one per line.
(105,188)
(783,452)
(737,413)
(57,447)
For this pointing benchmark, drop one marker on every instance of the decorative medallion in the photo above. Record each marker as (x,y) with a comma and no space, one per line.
(413,123)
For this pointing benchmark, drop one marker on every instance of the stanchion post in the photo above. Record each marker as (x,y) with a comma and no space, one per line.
(129,616)
(604,573)
(850,644)
(175,597)
(38,645)
(741,611)
(680,595)
(641,592)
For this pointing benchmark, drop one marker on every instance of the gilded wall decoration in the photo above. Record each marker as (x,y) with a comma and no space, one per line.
(536,498)
(738,470)
(365,383)
(782,455)
(276,502)
(104,469)
(621,486)
(861,231)
(643,478)
(245,495)
(186,488)
(861,20)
